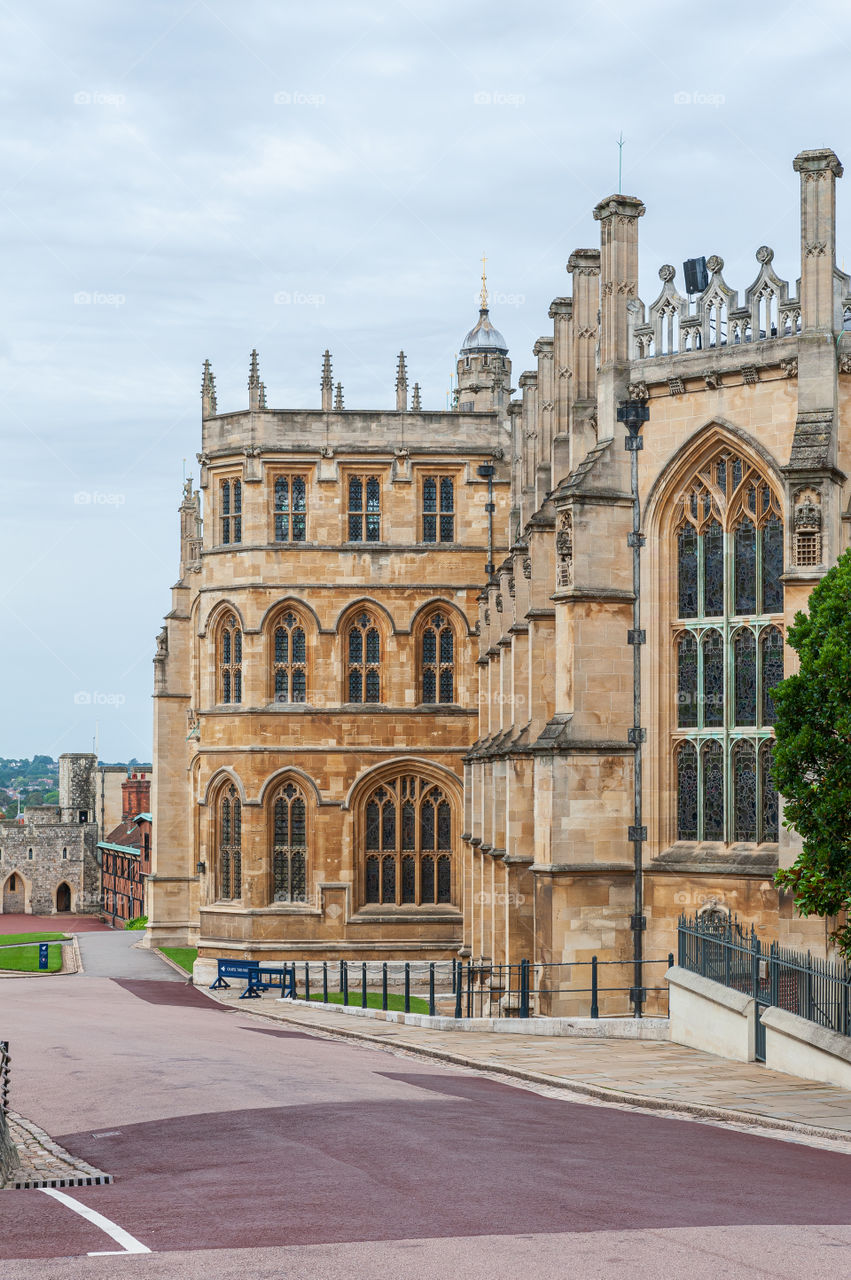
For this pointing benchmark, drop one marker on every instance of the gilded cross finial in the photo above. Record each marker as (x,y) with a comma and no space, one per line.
(484,284)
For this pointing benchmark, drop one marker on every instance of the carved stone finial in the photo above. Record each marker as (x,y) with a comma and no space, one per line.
(416,403)
(638,391)
(254,383)
(764,253)
(667,272)
(401,383)
(714,263)
(208,391)
(338,397)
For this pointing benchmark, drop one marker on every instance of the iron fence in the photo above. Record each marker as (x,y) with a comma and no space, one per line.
(725,952)
(5,1068)
(476,989)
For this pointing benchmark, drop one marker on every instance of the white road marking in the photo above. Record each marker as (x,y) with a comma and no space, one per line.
(119,1235)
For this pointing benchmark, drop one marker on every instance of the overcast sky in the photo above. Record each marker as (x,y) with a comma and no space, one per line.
(183,181)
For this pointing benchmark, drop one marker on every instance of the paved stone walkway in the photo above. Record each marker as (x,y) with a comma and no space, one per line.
(664,1077)
(44,1163)
(115,955)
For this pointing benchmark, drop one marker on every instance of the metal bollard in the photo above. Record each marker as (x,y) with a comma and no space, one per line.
(384,986)
(307,980)
(363,985)
(595,1008)
(524,988)
(407,987)
(342,962)
(345,982)
(324,981)
(458,1010)
(432,1010)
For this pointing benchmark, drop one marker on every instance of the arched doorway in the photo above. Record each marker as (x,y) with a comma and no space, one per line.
(63,897)
(14,899)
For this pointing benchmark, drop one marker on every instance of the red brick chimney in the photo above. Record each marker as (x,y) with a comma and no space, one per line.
(135,796)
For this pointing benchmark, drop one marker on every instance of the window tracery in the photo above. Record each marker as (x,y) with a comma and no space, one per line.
(728,541)
(408,843)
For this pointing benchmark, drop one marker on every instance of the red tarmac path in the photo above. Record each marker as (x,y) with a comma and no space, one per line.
(246,1150)
(63,923)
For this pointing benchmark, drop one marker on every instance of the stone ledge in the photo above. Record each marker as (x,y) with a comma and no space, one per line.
(805,1049)
(587,1028)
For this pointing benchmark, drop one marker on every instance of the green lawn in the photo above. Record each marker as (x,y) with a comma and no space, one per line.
(395,1001)
(12,939)
(184,956)
(25,959)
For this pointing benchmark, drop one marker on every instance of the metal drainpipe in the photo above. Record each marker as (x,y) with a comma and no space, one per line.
(634,413)
(486,471)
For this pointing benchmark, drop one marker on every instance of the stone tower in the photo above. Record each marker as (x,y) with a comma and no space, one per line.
(484,369)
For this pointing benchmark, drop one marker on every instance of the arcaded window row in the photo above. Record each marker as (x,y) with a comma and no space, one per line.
(363,509)
(363,659)
(404,842)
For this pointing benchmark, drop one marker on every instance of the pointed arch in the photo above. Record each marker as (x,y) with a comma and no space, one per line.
(715,518)
(217,780)
(687,459)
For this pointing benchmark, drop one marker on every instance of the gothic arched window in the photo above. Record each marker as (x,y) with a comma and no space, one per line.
(438,660)
(408,843)
(230,845)
(230,660)
(363,660)
(290,662)
(289,845)
(728,645)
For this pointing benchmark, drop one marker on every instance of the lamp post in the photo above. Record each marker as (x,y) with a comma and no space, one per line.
(633,414)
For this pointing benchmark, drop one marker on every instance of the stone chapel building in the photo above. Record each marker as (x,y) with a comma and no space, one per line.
(316,681)
(367,745)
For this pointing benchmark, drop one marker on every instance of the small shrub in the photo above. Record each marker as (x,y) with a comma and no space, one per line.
(141,922)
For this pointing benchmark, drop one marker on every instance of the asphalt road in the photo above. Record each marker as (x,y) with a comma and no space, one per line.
(242,1149)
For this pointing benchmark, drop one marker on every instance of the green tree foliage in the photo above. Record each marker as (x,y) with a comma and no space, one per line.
(812,757)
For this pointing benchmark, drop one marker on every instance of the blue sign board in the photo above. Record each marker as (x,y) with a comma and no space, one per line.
(42,955)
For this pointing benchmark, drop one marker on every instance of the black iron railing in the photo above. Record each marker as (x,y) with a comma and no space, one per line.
(468,989)
(4,1077)
(726,952)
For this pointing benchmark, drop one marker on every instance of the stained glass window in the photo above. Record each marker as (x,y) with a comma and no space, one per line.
(744,788)
(687,572)
(772,566)
(427,878)
(290,660)
(438,524)
(289,845)
(290,508)
(713,570)
(770,799)
(230,496)
(363,676)
(230,845)
(364,517)
(771,648)
(745,567)
(388,879)
(372,879)
(418,843)
(744,651)
(438,660)
(713,679)
(712,759)
(409,878)
(686,791)
(230,661)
